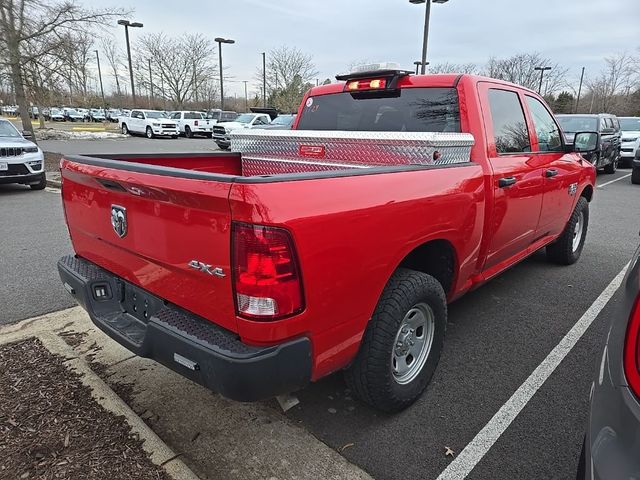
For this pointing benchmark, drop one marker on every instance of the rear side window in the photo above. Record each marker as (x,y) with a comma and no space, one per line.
(408,110)
(509,124)
(547,131)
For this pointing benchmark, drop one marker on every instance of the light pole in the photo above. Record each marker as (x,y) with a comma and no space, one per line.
(104,105)
(264,79)
(246,98)
(220,41)
(579,91)
(542,69)
(150,84)
(128,24)
(425,38)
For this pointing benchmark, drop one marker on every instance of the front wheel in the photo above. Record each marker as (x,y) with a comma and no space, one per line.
(612,167)
(567,248)
(149,132)
(125,130)
(41,184)
(401,346)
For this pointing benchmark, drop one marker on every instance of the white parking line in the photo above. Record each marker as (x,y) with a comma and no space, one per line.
(612,181)
(484,440)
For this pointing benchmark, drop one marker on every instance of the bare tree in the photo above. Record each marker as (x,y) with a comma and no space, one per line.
(520,69)
(290,73)
(181,64)
(30,20)
(447,67)
(614,84)
(115,59)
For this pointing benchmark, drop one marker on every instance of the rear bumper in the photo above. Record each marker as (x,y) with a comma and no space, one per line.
(187,344)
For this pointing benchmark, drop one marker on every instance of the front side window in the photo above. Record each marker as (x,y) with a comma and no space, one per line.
(509,124)
(547,131)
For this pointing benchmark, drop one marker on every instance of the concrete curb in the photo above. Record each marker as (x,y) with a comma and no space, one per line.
(159,452)
(52,181)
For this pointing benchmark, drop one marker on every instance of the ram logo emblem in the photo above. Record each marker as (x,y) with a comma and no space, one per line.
(119,220)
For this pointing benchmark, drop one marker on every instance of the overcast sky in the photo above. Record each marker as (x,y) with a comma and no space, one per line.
(574,33)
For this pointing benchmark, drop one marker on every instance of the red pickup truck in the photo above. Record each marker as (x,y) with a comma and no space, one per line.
(335,246)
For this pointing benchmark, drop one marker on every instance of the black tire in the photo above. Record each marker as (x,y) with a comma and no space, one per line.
(635,176)
(612,167)
(209,135)
(42,183)
(149,132)
(174,136)
(187,132)
(371,376)
(125,129)
(563,251)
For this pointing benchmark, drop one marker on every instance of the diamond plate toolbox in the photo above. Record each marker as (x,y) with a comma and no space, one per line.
(269,152)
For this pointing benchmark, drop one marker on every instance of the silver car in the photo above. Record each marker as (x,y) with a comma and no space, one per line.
(21,161)
(612,443)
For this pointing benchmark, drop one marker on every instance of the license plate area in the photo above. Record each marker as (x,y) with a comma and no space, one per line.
(139,303)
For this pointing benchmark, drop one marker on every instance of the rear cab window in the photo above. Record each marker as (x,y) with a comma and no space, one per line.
(416,109)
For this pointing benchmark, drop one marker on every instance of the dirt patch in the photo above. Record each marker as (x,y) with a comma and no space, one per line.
(51,427)
(52,161)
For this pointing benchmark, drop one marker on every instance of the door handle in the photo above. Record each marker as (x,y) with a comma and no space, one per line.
(550,172)
(506,182)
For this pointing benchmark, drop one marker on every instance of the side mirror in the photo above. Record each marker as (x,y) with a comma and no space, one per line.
(27,134)
(585,142)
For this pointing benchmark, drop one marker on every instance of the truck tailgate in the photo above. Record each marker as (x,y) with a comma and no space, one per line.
(171,222)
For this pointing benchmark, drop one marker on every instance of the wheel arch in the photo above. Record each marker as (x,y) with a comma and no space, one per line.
(587,192)
(436,258)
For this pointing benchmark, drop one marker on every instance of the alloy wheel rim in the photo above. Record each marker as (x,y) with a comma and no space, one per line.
(577,232)
(413,343)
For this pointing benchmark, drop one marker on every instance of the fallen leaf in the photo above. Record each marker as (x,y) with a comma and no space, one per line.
(448,452)
(348,445)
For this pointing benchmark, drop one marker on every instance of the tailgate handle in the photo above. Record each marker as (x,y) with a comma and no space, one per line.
(506,182)
(111,185)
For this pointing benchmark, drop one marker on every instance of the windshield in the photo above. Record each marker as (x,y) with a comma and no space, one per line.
(245,118)
(72,112)
(283,120)
(228,116)
(155,115)
(8,130)
(629,124)
(578,124)
(409,110)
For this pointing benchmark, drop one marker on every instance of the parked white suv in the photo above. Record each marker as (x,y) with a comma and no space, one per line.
(222,131)
(192,123)
(21,161)
(630,127)
(152,123)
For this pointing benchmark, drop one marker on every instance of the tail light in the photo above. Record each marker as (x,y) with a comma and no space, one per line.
(268,284)
(632,350)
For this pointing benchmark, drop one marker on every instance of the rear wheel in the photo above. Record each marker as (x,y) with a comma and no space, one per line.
(402,343)
(635,176)
(567,248)
(41,184)
(125,130)
(187,132)
(149,132)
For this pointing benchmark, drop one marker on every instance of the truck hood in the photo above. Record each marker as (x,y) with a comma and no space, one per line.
(228,126)
(630,134)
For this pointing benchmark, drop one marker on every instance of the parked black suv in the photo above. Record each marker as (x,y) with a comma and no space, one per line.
(608,128)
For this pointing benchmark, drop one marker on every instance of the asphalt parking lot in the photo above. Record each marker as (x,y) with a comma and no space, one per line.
(497,336)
